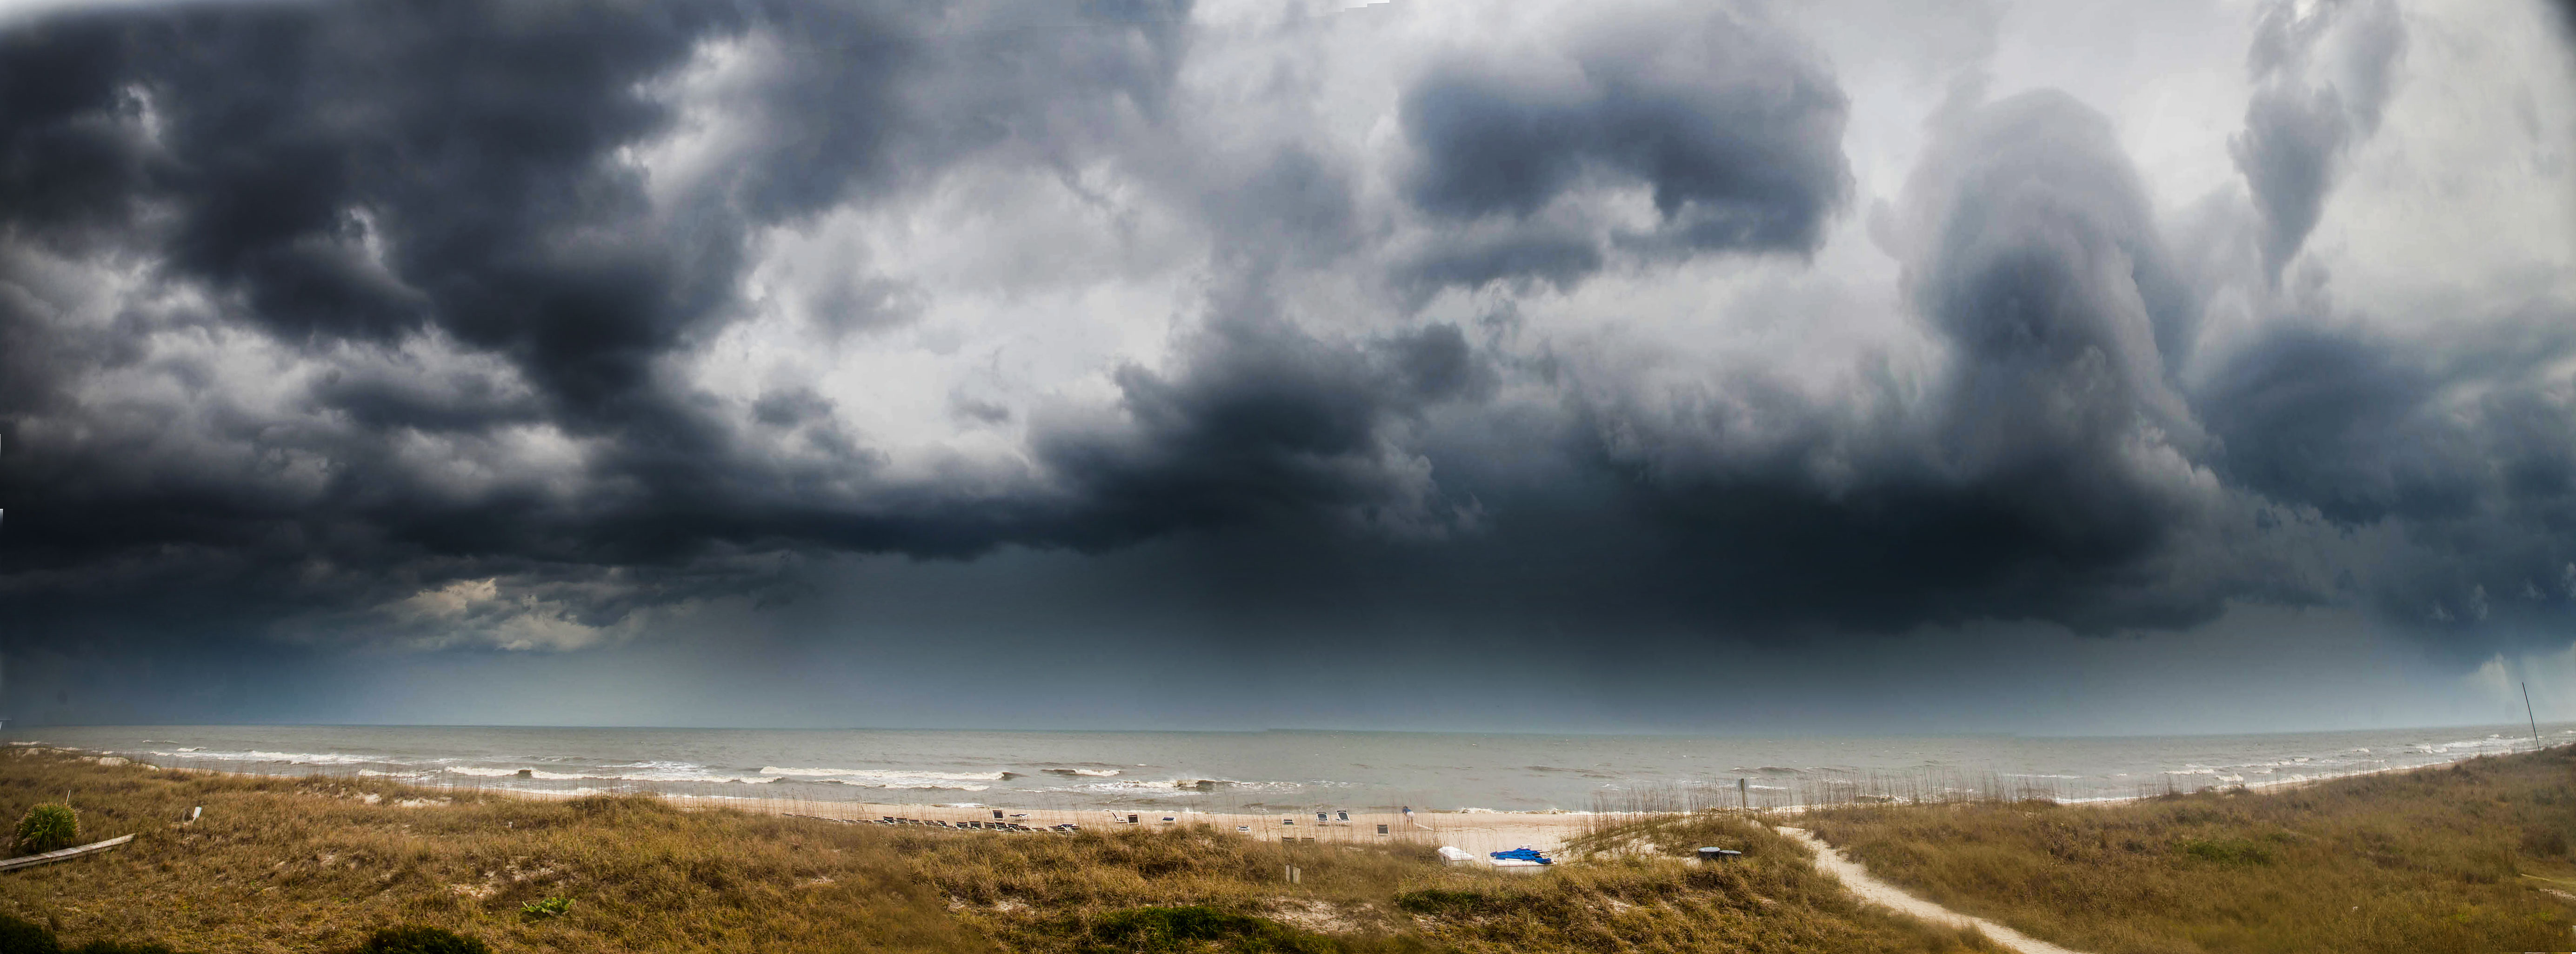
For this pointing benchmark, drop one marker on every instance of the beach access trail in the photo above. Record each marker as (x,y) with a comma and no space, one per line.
(1869,888)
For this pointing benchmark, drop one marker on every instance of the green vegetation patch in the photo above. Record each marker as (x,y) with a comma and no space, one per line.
(421,939)
(21,936)
(48,827)
(2226,851)
(1199,927)
(1446,901)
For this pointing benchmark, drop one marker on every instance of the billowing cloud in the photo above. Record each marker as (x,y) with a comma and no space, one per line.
(541,326)
(2322,78)
(1729,124)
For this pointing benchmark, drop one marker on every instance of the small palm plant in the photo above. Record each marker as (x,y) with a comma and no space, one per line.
(47,827)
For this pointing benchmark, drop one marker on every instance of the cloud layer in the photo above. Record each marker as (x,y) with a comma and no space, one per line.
(539,326)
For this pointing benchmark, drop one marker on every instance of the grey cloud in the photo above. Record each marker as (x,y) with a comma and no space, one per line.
(2340,423)
(1266,424)
(358,182)
(2038,258)
(2460,449)
(2051,474)
(423,231)
(1520,255)
(1296,207)
(1734,128)
(2321,81)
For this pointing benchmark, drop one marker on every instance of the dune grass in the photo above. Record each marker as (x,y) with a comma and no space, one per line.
(279,864)
(2468,858)
(321,864)
(1055,895)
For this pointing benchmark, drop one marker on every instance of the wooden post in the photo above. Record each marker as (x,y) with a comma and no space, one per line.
(2526,713)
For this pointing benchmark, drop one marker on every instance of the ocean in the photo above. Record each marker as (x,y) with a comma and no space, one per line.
(1283,770)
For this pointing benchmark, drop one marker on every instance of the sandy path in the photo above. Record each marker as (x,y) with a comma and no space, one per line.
(1874,891)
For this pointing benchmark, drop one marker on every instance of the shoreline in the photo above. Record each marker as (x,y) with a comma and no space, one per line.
(1476,830)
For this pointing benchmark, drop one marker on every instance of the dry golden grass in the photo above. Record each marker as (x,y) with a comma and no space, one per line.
(314,864)
(1047,895)
(1638,884)
(2469,858)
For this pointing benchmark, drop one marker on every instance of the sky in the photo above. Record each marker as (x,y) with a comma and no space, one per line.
(1840,366)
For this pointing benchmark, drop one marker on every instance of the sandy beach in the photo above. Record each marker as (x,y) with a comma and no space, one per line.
(1477,832)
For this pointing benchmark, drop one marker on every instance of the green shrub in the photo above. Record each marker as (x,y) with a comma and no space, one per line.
(550,907)
(1443,901)
(417,939)
(22,936)
(1184,928)
(48,827)
(2229,851)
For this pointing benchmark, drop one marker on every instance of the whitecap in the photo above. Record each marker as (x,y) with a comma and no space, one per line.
(295,758)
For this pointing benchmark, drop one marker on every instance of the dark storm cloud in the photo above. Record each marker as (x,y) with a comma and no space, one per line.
(431,201)
(2049,477)
(2467,449)
(1734,129)
(367,320)
(2321,81)
(1267,424)
(2451,445)
(2339,423)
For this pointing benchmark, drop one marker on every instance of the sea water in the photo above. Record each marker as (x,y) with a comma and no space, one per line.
(1284,770)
